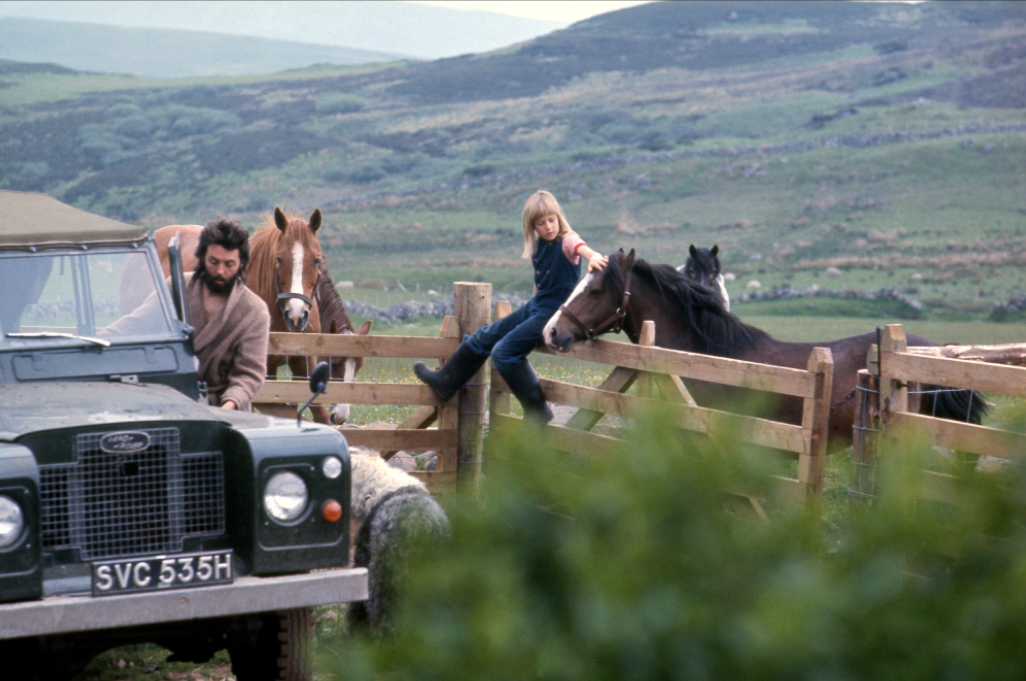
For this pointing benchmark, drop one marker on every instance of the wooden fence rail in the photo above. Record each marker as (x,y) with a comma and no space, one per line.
(887,412)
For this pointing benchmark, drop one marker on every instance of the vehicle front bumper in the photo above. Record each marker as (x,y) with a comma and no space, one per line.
(70,614)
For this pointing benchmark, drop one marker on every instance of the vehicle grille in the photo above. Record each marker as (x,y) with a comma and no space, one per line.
(122,504)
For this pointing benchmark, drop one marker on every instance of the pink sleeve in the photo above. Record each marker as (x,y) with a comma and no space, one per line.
(571,242)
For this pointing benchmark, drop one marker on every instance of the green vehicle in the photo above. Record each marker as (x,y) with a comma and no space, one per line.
(130,510)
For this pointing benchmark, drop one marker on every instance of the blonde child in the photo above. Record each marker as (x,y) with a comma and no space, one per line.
(555,251)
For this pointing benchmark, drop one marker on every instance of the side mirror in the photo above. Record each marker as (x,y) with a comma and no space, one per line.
(319,379)
(174,253)
(318,384)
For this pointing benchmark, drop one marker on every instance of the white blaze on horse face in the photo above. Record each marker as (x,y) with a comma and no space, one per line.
(340,412)
(550,328)
(295,305)
(721,287)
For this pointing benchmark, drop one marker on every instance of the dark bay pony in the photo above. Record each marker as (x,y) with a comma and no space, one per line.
(689,317)
(335,317)
(703,266)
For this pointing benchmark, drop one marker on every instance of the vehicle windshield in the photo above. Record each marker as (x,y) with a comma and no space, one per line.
(101,296)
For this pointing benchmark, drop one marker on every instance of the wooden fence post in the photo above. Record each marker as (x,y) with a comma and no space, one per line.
(865,441)
(893,393)
(646,382)
(498,393)
(472,303)
(816,417)
(448,416)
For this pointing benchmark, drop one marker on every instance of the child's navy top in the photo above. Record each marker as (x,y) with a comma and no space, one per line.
(554,276)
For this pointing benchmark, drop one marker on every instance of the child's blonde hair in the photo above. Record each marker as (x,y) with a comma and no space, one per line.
(538,205)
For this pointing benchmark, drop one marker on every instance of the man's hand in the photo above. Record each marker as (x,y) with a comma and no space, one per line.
(228,404)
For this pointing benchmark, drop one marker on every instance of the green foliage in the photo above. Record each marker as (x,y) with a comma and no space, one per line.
(147,661)
(627,567)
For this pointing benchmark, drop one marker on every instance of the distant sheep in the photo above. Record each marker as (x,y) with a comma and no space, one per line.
(396,513)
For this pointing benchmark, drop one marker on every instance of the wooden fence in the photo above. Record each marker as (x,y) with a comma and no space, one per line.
(457,435)
(455,428)
(658,373)
(884,413)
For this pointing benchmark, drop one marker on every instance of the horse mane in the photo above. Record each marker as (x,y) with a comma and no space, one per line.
(263,247)
(715,331)
(331,306)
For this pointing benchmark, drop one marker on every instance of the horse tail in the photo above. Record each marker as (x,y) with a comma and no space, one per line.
(968,406)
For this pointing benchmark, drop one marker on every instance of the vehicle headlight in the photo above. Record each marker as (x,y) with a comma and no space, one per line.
(331,467)
(12,521)
(285,496)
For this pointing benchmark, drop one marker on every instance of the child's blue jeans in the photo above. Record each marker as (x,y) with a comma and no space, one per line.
(512,338)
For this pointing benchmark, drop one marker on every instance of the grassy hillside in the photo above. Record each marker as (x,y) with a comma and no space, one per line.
(883,140)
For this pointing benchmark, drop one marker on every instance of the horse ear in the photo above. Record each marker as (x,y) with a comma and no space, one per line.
(714,250)
(693,251)
(315,220)
(621,251)
(628,261)
(365,327)
(280,221)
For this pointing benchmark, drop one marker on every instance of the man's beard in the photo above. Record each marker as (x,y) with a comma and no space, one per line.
(216,285)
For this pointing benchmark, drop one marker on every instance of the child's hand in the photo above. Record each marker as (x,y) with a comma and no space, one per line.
(596,261)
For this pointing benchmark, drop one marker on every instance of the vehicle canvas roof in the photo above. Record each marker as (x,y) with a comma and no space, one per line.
(28,219)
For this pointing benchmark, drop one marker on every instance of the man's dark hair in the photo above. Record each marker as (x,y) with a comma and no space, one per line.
(227,234)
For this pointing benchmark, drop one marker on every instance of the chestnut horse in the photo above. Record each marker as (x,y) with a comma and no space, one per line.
(284,268)
(284,250)
(689,317)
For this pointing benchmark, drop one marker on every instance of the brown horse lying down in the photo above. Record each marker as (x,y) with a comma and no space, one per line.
(689,316)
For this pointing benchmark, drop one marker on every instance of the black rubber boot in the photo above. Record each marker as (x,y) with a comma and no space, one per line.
(463,364)
(523,382)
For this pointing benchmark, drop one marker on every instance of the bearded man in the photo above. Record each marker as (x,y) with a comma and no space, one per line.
(231,322)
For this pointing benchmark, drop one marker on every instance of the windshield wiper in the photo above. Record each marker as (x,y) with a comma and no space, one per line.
(56,334)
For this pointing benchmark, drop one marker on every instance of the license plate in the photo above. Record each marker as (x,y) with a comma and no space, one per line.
(162,572)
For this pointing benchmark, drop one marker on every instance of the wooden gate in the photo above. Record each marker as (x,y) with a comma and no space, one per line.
(883,413)
(658,373)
